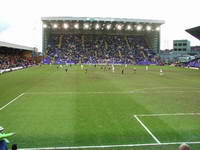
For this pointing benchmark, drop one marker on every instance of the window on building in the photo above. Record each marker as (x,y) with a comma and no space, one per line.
(175,44)
(184,49)
(184,44)
(179,49)
(179,44)
(175,49)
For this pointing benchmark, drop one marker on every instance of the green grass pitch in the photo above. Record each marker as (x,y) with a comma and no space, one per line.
(74,108)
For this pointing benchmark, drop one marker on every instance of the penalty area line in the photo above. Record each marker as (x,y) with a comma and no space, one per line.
(174,114)
(12,101)
(109,146)
(143,125)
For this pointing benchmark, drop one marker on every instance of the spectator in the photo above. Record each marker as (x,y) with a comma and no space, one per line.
(13,60)
(184,147)
(92,48)
(14,147)
(3,140)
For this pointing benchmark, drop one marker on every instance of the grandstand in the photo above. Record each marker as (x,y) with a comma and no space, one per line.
(196,33)
(14,57)
(100,40)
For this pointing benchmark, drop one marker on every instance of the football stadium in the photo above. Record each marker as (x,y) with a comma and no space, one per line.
(100,84)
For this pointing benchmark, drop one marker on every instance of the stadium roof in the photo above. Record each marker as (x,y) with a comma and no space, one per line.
(15,46)
(96,19)
(194,32)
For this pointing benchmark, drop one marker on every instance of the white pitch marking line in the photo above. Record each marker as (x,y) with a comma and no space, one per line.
(143,90)
(114,92)
(175,114)
(108,146)
(12,101)
(147,129)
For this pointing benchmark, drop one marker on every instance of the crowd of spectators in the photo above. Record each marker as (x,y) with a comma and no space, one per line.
(194,63)
(12,61)
(117,49)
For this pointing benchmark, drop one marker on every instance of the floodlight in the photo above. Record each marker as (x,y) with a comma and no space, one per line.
(55,26)
(76,26)
(128,27)
(108,27)
(157,28)
(97,26)
(44,26)
(86,26)
(119,27)
(148,28)
(139,27)
(65,25)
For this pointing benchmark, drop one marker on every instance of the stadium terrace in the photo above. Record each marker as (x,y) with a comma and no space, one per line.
(15,57)
(100,40)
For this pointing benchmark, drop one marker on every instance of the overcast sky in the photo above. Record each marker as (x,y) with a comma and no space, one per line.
(20,20)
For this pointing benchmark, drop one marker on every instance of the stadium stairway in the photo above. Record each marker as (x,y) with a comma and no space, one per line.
(120,55)
(60,41)
(106,44)
(82,41)
(125,37)
(143,54)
